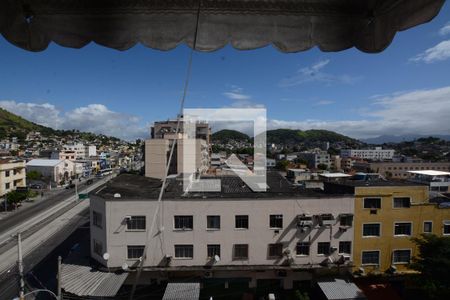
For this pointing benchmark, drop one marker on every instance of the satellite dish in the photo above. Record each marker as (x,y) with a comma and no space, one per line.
(125,266)
(216,258)
(106,256)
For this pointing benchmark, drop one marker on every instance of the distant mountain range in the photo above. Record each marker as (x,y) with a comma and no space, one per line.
(286,136)
(382,139)
(12,125)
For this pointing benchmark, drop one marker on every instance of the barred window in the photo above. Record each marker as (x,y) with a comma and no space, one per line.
(240,251)
(401,256)
(401,202)
(402,229)
(213,250)
(302,248)
(345,247)
(135,251)
(213,222)
(136,223)
(276,221)
(276,250)
(371,230)
(372,202)
(184,222)
(370,257)
(184,251)
(323,248)
(241,222)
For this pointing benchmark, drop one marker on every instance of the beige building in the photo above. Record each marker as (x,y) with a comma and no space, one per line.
(399,170)
(12,175)
(235,233)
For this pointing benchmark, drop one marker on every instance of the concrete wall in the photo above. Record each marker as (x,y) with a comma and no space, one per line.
(258,236)
(16,178)
(156,157)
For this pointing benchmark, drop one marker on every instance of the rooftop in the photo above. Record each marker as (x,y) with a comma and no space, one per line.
(43,162)
(430,173)
(137,187)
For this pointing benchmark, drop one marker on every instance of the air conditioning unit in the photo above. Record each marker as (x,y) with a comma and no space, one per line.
(304,222)
(208,275)
(346,258)
(326,219)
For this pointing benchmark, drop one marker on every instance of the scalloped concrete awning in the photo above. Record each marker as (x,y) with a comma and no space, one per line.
(289,25)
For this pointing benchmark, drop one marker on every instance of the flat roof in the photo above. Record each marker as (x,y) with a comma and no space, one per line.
(430,173)
(137,187)
(338,289)
(43,162)
(334,175)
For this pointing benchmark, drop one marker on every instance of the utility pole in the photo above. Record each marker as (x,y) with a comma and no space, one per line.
(20,265)
(58,291)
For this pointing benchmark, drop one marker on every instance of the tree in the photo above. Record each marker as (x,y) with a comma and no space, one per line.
(282,165)
(433,263)
(15,197)
(322,166)
(34,175)
(301,295)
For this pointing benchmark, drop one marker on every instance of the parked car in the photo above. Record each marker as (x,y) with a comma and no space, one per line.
(89,181)
(36,186)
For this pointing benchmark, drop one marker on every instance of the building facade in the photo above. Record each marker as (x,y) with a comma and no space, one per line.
(370,154)
(54,169)
(242,236)
(400,170)
(12,175)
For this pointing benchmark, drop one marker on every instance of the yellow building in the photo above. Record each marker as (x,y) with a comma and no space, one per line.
(387,215)
(12,175)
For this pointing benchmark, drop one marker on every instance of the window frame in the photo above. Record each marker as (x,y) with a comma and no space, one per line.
(217,246)
(304,244)
(207,222)
(366,198)
(184,228)
(423,227)
(401,262)
(371,236)
(240,257)
(277,218)
(321,244)
(350,247)
(134,258)
(236,221)
(444,224)
(404,222)
(272,246)
(370,264)
(136,222)
(95,244)
(400,207)
(188,246)
(346,217)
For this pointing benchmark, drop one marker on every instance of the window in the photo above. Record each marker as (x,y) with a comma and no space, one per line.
(184,222)
(370,257)
(7,185)
(213,250)
(98,248)
(135,251)
(275,250)
(323,248)
(346,220)
(276,221)
(372,202)
(213,222)
(241,222)
(371,229)
(240,251)
(402,229)
(427,227)
(6,173)
(184,251)
(402,202)
(446,227)
(401,256)
(136,223)
(302,248)
(345,247)
(97,219)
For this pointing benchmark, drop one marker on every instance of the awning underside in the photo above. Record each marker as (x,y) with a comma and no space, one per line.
(289,25)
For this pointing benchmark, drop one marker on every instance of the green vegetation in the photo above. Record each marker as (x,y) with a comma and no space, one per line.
(433,263)
(227,135)
(292,136)
(34,175)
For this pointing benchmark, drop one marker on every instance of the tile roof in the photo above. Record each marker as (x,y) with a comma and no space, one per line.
(340,289)
(182,291)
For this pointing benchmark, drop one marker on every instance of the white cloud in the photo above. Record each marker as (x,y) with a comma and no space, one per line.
(324,102)
(417,112)
(445,30)
(240,100)
(439,52)
(315,73)
(95,118)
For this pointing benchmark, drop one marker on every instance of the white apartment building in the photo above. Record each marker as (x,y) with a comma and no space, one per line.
(81,151)
(12,175)
(370,154)
(282,234)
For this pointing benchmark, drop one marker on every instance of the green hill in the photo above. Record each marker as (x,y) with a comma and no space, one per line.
(226,135)
(12,125)
(295,136)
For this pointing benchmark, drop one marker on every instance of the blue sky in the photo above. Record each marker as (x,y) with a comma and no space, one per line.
(403,90)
